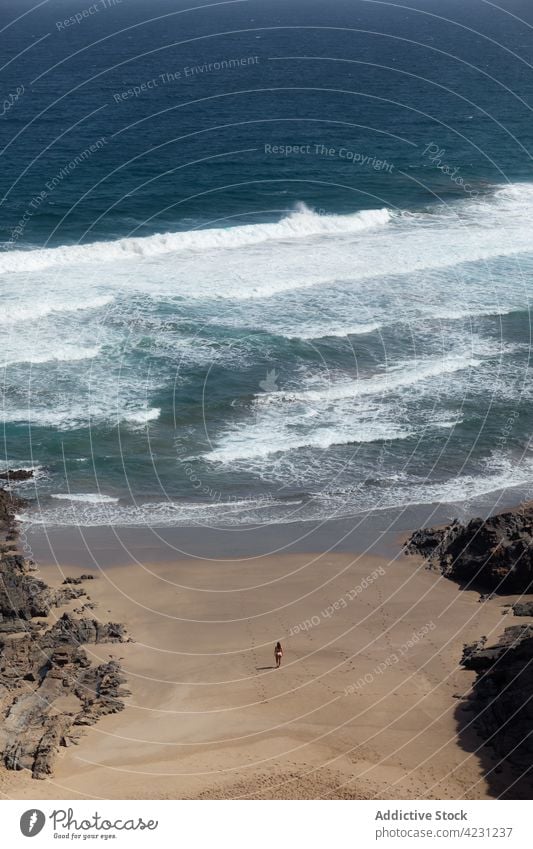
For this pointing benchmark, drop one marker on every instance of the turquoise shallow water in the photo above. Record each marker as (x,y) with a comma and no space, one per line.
(265,261)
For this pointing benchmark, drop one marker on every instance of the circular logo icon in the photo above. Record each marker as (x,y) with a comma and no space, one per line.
(32,822)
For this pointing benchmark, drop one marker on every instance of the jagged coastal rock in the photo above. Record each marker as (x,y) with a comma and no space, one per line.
(9,503)
(17,475)
(502,695)
(523,608)
(43,666)
(494,554)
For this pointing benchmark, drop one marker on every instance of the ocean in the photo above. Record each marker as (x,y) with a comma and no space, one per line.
(264,261)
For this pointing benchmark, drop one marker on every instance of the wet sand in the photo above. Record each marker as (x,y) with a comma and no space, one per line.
(377,532)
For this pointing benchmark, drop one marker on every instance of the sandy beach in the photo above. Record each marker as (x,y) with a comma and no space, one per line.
(367,704)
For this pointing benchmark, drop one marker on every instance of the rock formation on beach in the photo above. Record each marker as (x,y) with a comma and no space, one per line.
(502,697)
(494,554)
(9,503)
(49,688)
(17,475)
(523,608)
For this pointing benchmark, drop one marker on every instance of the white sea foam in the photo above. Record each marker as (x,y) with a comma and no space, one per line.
(321,331)
(303,223)
(398,376)
(79,416)
(321,414)
(85,498)
(268,439)
(39,472)
(90,513)
(19,311)
(258,261)
(369,270)
(58,353)
(509,206)
(469,312)
(141,417)
(501,473)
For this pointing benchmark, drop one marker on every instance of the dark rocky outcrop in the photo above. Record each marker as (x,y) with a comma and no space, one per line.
(22,595)
(523,608)
(494,554)
(17,475)
(79,580)
(9,504)
(73,631)
(502,699)
(49,689)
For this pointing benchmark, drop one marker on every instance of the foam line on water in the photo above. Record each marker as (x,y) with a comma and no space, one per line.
(85,498)
(303,223)
(500,473)
(80,417)
(13,313)
(398,376)
(59,353)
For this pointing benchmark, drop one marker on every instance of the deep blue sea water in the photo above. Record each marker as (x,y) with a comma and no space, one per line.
(264,260)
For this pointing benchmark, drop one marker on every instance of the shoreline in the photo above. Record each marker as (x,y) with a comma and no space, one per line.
(374,531)
(371,700)
(369,703)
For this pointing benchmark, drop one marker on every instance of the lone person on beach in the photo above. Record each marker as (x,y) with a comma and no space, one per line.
(278,654)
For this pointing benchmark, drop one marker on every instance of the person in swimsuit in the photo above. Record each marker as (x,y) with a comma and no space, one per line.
(278,654)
